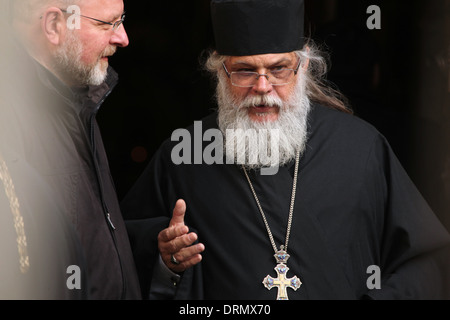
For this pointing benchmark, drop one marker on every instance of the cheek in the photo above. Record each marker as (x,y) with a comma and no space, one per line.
(284,92)
(239,94)
(92,50)
(91,54)
(235,91)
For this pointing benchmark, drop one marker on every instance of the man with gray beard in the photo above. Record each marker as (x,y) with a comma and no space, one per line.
(288,132)
(55,77)
(338,219)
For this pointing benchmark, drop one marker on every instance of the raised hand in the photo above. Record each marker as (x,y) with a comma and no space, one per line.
(175,243)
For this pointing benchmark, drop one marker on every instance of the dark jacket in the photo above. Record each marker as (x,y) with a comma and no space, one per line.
(39,245)
(55,130)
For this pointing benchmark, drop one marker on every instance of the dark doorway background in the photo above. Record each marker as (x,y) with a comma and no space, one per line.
(396,78)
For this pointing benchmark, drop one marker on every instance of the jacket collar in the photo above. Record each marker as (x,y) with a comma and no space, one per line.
(78,98)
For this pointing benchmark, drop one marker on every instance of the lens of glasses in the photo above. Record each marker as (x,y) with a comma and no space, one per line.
(117,24)
(249,79)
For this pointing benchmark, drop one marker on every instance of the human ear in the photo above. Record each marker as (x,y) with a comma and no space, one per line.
(53,25)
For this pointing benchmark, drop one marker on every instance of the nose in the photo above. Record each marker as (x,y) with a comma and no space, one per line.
(262,85)
(120,37)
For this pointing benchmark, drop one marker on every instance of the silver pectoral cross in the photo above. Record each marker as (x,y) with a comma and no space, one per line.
(281,281)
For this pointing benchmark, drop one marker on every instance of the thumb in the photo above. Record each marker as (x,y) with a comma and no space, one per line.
(178,213)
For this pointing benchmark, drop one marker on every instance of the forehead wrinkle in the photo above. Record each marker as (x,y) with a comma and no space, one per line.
(261,62)
(102,11)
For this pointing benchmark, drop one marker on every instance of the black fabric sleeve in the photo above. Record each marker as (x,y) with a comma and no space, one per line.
(415,260)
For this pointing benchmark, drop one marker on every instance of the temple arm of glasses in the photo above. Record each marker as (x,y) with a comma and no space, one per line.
(109,23)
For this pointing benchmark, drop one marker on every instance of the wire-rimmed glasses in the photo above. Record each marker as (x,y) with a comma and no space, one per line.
(115,25)
(247,79)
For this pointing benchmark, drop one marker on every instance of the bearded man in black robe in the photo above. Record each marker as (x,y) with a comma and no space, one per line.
(287,194)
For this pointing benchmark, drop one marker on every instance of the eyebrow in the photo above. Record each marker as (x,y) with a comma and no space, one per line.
(115,18)
(277,62)
(118,16)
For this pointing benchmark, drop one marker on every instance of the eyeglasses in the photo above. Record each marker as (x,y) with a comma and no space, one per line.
(114,25)
(247,79)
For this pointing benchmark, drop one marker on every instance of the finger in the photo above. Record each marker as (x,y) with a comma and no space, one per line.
(178,243)
(178,213)
(190,263)
(171,233)
(178,268)
(186,260)
(187,253)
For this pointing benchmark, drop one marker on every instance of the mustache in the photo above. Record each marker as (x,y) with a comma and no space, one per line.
(263,100)
(109,51)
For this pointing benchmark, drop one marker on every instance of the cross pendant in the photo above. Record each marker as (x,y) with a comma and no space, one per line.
(281,282)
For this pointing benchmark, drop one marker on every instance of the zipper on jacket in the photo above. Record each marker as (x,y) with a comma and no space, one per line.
(108,217)
(100,183)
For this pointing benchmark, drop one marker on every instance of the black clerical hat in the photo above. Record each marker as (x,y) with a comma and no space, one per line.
(250,27)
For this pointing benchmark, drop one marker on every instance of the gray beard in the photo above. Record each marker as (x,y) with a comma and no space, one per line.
(68,65)
(287,135)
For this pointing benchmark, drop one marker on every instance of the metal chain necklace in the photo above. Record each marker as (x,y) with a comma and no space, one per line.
(281,255)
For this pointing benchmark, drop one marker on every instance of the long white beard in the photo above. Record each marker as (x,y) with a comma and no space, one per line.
(289,132)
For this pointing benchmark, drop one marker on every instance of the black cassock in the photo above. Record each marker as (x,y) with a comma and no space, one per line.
(356,210)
